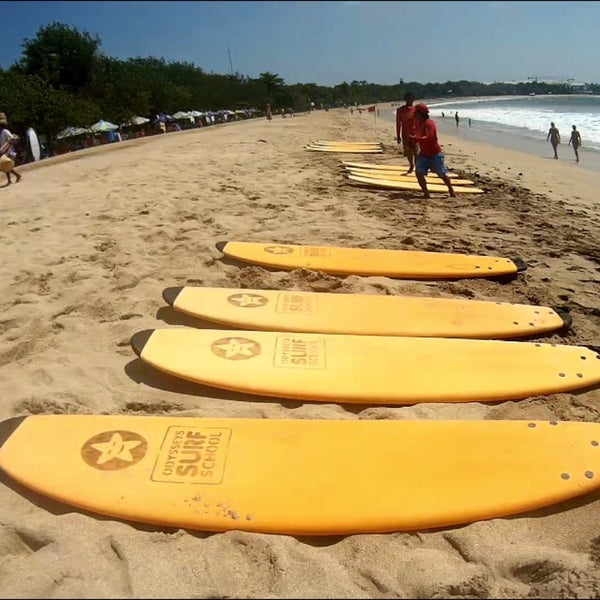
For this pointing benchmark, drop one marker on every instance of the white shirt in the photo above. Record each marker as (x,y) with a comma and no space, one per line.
(5,136)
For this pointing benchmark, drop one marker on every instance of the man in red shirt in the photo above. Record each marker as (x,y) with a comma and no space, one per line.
(431,157)
(405,127)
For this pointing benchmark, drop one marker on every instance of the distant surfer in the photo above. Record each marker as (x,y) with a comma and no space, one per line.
(554,137)
(456,118)
(405,128)
(7,150)
(431,157)
(575,141)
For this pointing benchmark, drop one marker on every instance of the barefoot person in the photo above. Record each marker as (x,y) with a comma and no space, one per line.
(7,151)
(554,137)
(405,127)
(575,141)
(431,157)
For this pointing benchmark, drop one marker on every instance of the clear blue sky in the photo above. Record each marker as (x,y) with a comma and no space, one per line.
(331,42)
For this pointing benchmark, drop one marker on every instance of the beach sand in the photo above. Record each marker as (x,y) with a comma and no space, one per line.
(91,239)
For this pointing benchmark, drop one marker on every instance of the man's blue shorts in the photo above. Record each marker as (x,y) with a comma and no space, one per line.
(435,164)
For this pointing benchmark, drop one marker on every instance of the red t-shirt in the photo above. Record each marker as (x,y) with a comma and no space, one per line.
(405,121)
(426,136)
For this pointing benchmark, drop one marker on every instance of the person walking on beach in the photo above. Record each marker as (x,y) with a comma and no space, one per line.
(405,127)
(456,118)
(575,141)
(554,137)
(7,150)
(431,157)
(269,112)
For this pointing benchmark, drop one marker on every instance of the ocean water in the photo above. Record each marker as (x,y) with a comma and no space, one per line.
(521,123)
(529,116)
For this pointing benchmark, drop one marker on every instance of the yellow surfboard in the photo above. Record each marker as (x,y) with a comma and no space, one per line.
(407,264)
(346,145)
(364,165)
(300,476)
(399,169)
(402,185)
(364,314)
(337,142)
(346,149)
(396,176)
(366,369)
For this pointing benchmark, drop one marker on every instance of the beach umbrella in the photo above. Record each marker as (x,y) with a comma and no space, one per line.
(135,121)
(102,126)
(163,118)
(68,132)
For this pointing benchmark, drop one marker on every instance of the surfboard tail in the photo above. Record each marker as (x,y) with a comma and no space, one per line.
(520,264)
(564,314)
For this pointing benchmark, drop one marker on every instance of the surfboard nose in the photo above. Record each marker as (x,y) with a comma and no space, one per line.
(139,340)
(170,294)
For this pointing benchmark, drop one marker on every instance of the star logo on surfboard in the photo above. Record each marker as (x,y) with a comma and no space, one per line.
(114,450)
(279,249)
(235,348)
(247,300)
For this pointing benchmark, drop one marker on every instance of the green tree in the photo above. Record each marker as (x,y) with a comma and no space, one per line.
(272,84)
(30,102)
(61,55)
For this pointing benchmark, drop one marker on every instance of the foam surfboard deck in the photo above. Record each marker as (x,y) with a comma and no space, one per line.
(345,149)
(364,314)
(408,264)
(277,475)
(397,176)
(364,369)
(402,185)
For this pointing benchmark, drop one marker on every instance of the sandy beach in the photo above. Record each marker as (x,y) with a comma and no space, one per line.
(91,239)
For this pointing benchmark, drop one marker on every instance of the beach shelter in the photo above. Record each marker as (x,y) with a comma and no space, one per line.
(103,126)
(163,118)
(183,116)
(135,121)
(68,132)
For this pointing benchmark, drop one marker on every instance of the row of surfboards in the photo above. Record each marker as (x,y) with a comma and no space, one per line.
(330,477)
(387,176)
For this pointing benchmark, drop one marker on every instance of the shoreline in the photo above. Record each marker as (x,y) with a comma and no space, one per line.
(588,159)
(89,246)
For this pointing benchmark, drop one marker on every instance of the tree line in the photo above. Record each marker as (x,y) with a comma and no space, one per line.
(62,78)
